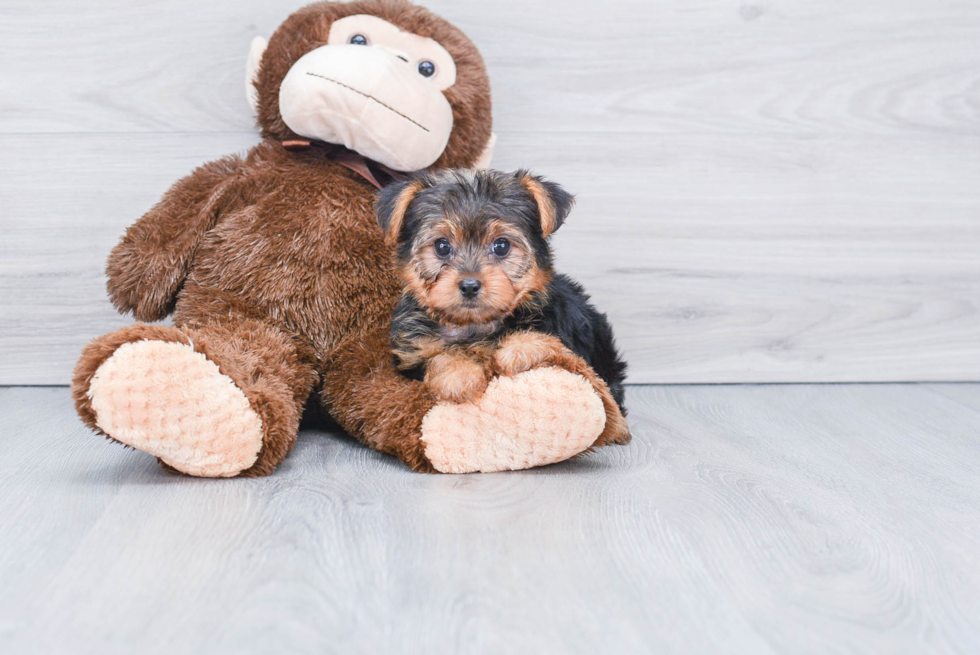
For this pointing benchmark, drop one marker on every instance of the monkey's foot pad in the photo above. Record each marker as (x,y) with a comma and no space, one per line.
(535,418)
(167,400)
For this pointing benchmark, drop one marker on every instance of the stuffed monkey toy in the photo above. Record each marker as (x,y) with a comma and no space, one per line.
(281,286)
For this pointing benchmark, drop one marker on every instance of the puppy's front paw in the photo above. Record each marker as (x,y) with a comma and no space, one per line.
(455,378)
(523,351)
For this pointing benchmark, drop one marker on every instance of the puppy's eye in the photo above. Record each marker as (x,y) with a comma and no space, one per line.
(442,247)
(427,69)
(358,39)
(501,247)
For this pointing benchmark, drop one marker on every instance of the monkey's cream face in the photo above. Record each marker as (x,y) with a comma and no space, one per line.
(374,89)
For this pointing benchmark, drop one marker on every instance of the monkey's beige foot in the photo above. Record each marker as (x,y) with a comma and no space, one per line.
(167,400)
(540,417)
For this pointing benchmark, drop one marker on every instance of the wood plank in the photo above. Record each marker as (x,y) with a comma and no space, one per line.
(733,258)
(784,66)
(742,519)
(964,394)
(768,192)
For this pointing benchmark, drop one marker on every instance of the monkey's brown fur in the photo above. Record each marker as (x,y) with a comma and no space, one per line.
(275,269)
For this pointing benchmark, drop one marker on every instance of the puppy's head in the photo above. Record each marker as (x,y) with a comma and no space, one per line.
(472,245)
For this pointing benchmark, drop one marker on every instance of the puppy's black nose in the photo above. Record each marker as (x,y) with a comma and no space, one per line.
(469,287)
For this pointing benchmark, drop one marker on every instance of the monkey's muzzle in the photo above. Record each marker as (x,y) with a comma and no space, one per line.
(369,101)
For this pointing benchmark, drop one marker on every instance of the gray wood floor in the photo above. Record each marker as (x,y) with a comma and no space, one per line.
(742,519)
(768,191)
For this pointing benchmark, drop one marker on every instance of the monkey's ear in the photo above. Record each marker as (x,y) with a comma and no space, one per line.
(554,203)
(255,53)
(392,205)
(487,154)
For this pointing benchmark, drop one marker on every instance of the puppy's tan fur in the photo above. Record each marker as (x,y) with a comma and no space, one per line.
(458,375)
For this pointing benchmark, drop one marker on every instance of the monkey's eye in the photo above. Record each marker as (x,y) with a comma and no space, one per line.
(427,69)
(501,247)
(358,39)
(442,248)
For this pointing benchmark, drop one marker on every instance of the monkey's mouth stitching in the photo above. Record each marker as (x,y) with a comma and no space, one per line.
(369,97)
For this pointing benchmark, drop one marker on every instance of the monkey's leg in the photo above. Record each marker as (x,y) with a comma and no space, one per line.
(364,393)
(539,417)
(216,400)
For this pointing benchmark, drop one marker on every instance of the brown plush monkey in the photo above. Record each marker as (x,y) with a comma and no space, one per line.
(280,283)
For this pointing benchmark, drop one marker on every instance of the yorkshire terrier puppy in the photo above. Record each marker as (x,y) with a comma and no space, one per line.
(481,297)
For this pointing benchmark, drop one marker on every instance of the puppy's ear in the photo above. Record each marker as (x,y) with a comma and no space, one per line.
(553,202)
(392,205)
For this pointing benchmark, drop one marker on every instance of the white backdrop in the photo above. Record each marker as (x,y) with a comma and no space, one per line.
(777,191)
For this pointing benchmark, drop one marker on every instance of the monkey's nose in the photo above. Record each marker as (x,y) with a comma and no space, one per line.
(469,287)
(401,54)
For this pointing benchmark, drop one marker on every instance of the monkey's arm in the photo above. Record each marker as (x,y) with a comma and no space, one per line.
(148,266)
